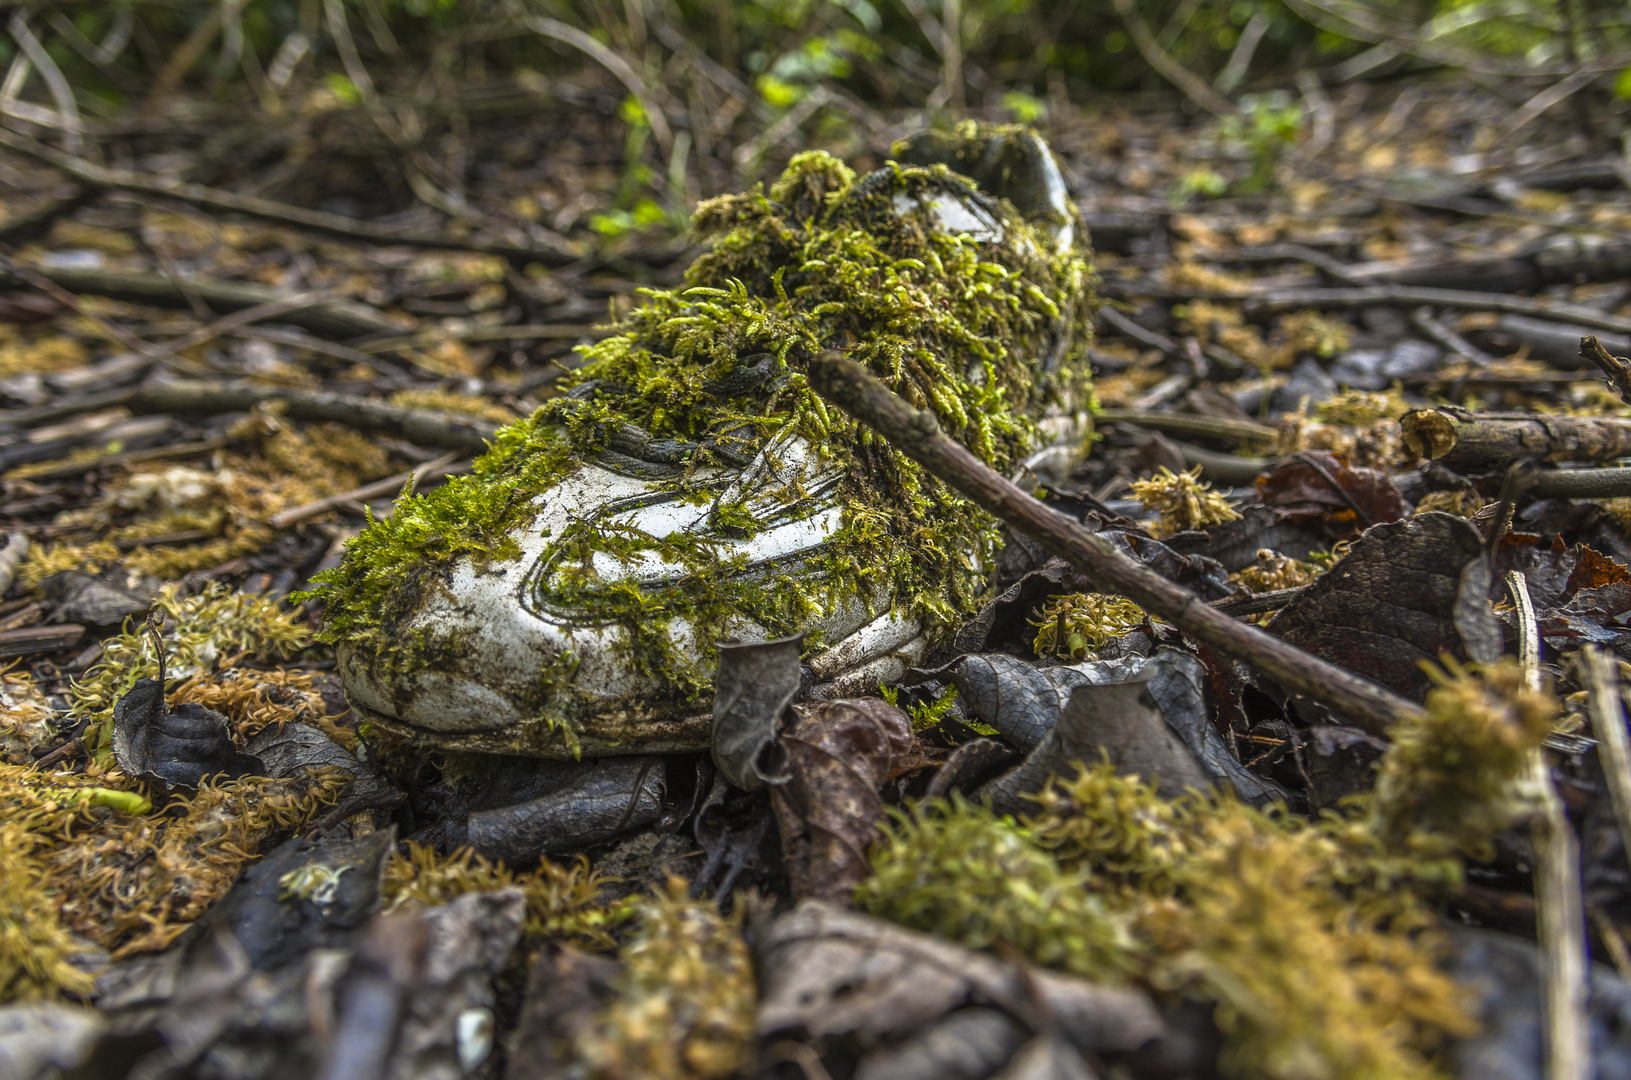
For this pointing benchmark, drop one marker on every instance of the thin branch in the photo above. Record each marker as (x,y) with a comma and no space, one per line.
(422,426)
(1560,913)
(1193,86)
(1268,303)
(611,61)
(1617,369)
(1240,61)
(1326,17)
(406,482)
(61,92)
(216,199)
(917,434)
(1555,94)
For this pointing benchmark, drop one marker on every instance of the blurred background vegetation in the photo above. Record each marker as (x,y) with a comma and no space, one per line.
(704,90)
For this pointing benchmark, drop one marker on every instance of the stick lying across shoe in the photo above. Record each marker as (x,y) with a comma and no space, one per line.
(917,434)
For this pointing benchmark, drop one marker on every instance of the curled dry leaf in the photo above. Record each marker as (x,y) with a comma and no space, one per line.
(180,746)
(1027,704)
(291,748)
(1120,720)
(753,686)
(838,755)
(1316,487)
(827,972)
(1406,592)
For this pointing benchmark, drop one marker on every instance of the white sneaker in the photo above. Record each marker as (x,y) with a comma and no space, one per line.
(565,597)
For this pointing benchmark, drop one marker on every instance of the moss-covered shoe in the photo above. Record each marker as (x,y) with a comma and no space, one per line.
(688,487)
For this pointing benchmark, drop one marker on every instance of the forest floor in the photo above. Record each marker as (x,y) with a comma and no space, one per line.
(1360,323)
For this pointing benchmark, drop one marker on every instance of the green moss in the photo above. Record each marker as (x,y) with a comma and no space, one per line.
(1073,624)
(684,1004)
(702,375)
(563,899)
(199,633)
(961,872)
(1308,938)
(1455,773)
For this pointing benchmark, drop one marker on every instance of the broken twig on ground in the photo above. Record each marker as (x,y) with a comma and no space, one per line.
(416,425)
(917,434)
(1488,442)
(1617,369)
(1560,914)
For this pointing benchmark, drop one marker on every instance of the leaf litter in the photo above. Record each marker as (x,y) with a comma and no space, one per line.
(1070,844)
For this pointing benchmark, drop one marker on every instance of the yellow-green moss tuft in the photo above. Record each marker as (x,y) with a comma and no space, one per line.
(563,900)
(1457,771)
(1077,623)
(1273,571)
(200,632)
(685,998)
(961,872)
(1308,938)
(1182,501)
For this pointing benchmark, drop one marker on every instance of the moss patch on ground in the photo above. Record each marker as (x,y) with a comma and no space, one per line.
(1316,941)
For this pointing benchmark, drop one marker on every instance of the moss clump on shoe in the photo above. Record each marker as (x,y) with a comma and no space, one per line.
(987,332)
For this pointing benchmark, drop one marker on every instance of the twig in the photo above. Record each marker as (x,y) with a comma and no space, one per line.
(216,199)
(37,639)
(1224,468)
(1194,87)
(1607,713)
(1128,328)
(1345,23)
(1583,484)
(1422,319)
(1240,60)
(1484,442)
(1560,914)
(61,92)
(298,340)
(1268,303)
(784,126)
(1531,111)
(1260,603)
(70,749)
(10,269)
(1212,427)
(951,71)
(280,308)
(611,61)
(1616,368)
(341,318)
(420,426)
(442,466)
(540,332)
(917,434)
(131,457)
(1519,480)
(356,804)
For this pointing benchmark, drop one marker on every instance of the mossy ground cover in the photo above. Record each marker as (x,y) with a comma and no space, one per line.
(1315,942)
